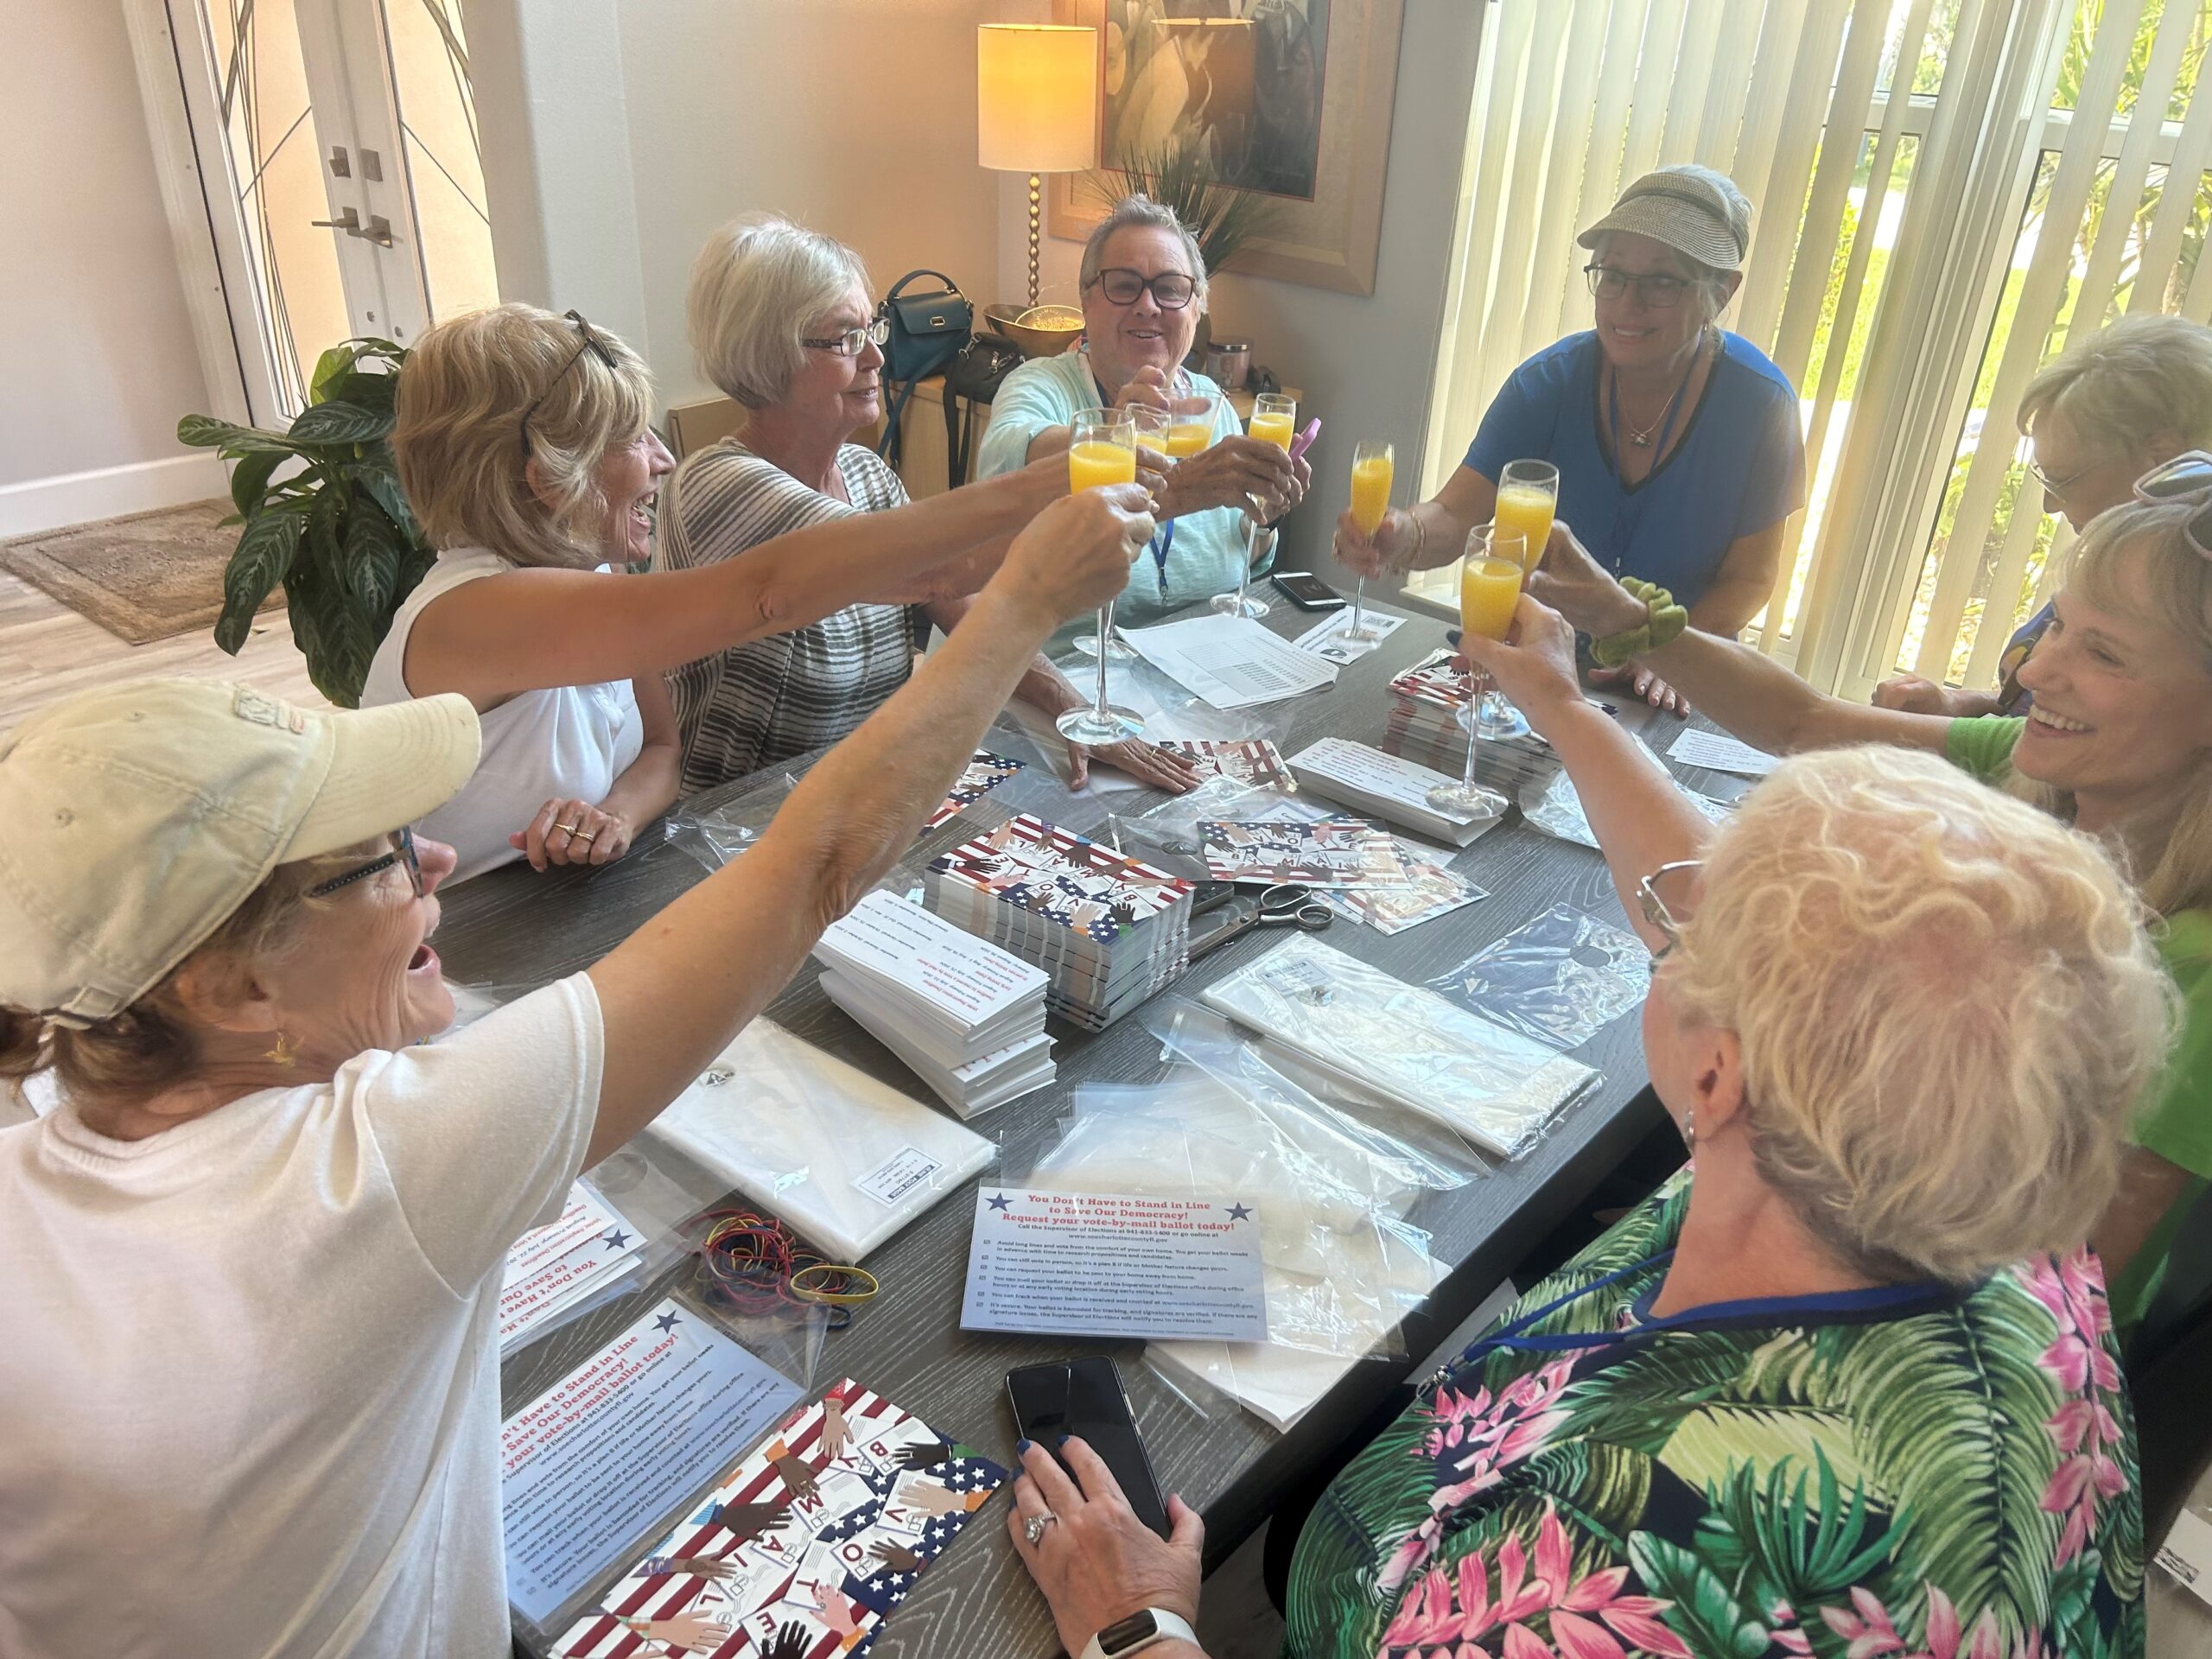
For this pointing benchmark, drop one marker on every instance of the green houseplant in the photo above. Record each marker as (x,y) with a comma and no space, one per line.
(336,532)
(1177,174)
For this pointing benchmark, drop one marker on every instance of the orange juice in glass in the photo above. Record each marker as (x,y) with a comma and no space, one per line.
(1273,416)
(1528,496)
(1152,427)
(1103,450)
(1373,463)
(1489,587)
(1094,462)
(1190,435)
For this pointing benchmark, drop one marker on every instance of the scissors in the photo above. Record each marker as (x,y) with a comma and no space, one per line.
(1284,905)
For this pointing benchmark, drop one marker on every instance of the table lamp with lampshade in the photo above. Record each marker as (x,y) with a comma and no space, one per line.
(1036,107)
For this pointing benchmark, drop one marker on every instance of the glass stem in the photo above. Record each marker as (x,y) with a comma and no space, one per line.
(1105,634)
(1359,608)
(1251,553)
(1474,730)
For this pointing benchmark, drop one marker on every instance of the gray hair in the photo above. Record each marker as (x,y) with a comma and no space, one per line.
(760,283)
(2124,387)
(1142,212)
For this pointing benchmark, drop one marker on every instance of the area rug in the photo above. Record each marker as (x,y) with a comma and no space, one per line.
(144,577)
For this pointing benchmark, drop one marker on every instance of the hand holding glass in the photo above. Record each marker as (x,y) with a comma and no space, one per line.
(1373,465)
(1528,497)
(1103,451)
(1273,416)
(1490,587)
(1151,425)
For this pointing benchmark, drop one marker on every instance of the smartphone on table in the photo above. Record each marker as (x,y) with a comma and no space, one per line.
(1307,591)
(1083,1397)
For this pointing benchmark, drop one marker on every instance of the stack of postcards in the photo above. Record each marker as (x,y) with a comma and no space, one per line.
(967,1017)
(1108,931)
(1424,727)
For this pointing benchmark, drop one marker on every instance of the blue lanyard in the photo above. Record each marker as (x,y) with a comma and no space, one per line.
(1516,1337)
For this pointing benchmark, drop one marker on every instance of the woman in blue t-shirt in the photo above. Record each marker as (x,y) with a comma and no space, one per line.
(1678,445)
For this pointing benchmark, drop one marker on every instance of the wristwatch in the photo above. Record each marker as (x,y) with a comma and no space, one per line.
(1139,1632)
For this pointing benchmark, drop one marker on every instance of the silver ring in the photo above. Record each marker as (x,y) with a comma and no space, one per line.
(1035,1531)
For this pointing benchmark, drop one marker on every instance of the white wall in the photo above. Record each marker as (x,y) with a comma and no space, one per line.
(857,117)
(97,359)
(1365,363)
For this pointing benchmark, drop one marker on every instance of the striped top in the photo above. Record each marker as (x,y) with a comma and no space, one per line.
(755,704)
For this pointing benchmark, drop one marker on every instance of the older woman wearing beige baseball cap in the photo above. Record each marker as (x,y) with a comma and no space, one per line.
(250,1267)
(1678,443)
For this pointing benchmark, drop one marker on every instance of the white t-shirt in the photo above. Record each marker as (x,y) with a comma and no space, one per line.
(566,741)
(250,1369)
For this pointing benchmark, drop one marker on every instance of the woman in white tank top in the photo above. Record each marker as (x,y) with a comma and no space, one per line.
(524,447)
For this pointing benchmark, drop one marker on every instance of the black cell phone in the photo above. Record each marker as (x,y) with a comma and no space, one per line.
(1084,1397)
(1308,592)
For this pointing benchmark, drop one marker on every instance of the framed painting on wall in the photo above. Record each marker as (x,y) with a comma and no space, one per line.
(1288,98)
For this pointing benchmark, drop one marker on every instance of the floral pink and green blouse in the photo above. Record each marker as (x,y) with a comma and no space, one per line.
(1928,1473)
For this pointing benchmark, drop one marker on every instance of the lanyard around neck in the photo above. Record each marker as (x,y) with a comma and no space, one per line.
(1665,420)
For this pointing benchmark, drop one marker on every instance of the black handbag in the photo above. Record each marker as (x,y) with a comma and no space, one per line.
(970,379)
(926,331)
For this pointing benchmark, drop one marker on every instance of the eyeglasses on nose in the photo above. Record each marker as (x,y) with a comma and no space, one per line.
(402,853)
(849,343)
(1171,290)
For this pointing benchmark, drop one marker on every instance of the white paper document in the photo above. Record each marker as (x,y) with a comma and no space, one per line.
(942,968)
(552,1268)
(601,1457)
(1104,1264)
(1719,752)
(1326,636)
(1231,661)
(2187,1552)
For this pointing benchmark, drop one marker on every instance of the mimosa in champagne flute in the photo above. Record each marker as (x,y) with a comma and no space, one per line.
(1528,496)
(1489,587)
(1273,416)
(1373,464)
(1151,428)
(1103,451)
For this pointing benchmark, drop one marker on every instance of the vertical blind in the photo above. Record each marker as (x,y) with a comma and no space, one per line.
(1945,191)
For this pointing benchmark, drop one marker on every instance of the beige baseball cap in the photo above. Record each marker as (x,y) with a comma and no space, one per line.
(140,816)
(1693,210)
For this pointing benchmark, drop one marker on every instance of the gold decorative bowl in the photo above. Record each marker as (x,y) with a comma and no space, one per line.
(1049,330)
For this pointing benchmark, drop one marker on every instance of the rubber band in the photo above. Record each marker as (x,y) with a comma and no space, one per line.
(844,1286)
(753,1264)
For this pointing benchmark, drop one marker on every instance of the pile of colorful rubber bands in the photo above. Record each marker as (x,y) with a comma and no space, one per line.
(753,1264)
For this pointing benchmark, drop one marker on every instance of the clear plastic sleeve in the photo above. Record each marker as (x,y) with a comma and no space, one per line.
(1551,804)
(1338,1271)
(846,1161)
(1560,979)
(596,1251)
(1384,1038)
(1167,835)
(715,835)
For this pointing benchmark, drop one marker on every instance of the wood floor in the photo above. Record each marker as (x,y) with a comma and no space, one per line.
(48,651)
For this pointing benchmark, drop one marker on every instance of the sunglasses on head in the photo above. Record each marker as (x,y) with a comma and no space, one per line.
(2186,478)
(591,342)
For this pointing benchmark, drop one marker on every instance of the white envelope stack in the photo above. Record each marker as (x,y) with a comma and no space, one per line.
(966,1016)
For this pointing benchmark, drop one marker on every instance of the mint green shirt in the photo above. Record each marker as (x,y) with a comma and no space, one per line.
(1208,548)
(2175,1122)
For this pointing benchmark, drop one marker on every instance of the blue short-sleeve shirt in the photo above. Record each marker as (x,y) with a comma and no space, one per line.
(1739,468)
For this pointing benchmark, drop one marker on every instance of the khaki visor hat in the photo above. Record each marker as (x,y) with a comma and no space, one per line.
(142,816)
(1688,209)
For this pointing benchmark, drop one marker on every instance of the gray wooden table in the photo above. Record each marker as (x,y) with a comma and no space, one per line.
(515,928)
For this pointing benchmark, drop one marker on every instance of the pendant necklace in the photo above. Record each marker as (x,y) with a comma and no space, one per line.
(1643,440)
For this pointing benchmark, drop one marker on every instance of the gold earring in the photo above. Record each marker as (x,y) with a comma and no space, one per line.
(286,1053)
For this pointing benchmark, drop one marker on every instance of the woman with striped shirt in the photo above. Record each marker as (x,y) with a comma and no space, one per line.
(780,320)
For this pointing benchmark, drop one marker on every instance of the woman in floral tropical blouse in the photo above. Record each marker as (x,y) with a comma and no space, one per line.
(1852,1389)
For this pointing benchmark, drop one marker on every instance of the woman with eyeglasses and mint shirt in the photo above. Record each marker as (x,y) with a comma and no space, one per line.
(524,447)
(1143,287)
(781,319)
(1678,444)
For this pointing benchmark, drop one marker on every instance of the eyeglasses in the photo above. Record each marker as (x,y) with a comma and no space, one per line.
(1171,290)
(2059,486)
(402,854)
(591,342)
(1657,290)
(849,344)
(2184,478)
(1665,897)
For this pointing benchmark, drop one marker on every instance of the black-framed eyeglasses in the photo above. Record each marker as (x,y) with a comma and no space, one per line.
(591,342)
(849,343)
(1171,290)
(2187,477)
(1656,289)
(403,853)
(1664,896)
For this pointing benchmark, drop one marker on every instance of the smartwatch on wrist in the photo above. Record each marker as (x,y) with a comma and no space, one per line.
(1139,1632)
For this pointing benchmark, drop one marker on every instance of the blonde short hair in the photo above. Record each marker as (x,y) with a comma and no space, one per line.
(459,441)
(2136,559)
(757,286)
(2126,386)
(1947,1008)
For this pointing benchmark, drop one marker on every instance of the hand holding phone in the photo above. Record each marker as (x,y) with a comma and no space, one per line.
(1083,1397)
(1304,441)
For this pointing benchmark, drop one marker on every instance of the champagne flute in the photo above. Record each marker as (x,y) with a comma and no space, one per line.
(1103,451)
(1151,433)
(1273,416)
(1490,585)
(1528,499)
(1373,464)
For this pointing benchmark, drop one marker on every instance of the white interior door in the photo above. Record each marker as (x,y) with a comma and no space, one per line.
(340,187)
